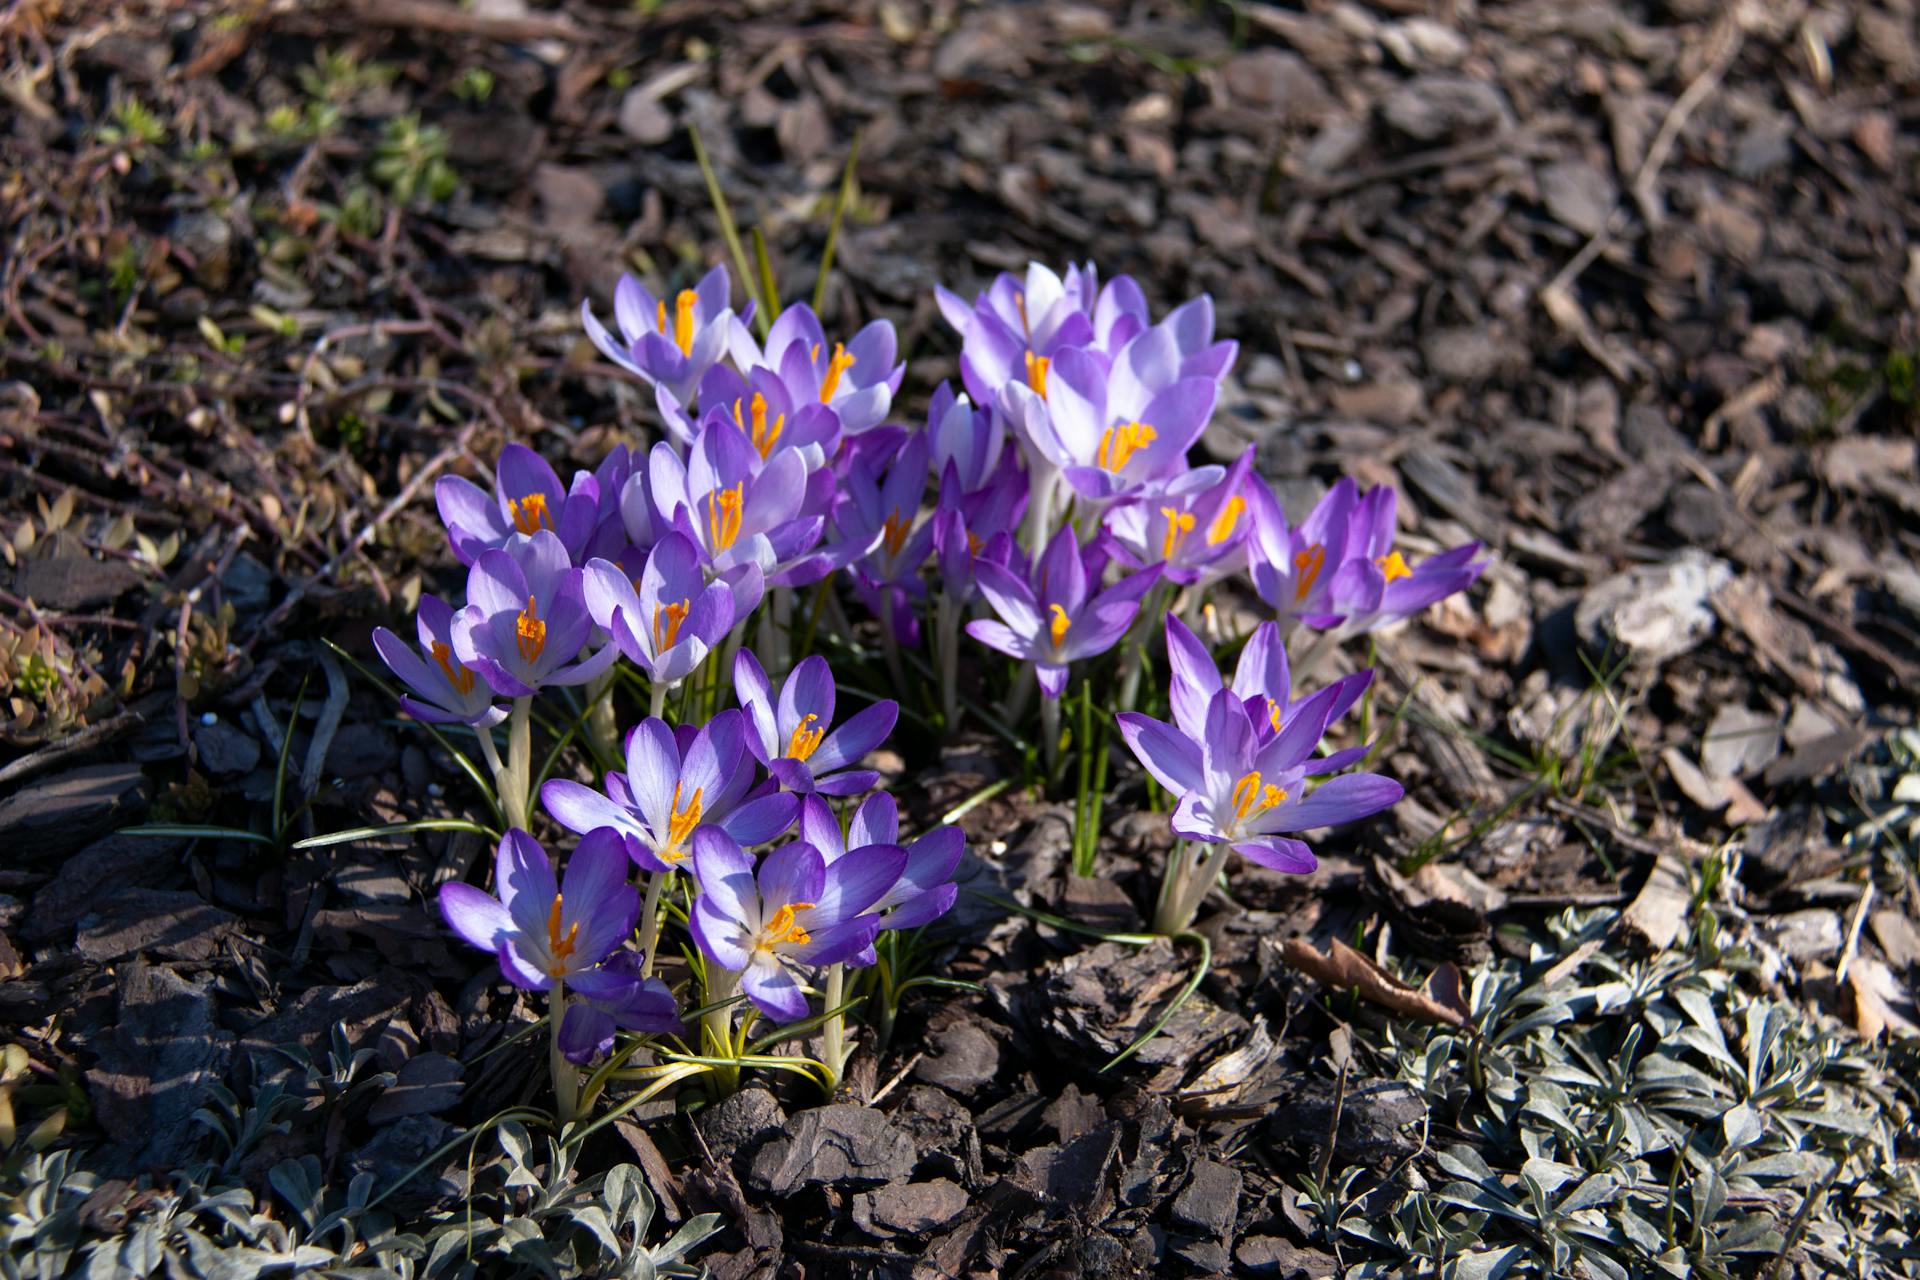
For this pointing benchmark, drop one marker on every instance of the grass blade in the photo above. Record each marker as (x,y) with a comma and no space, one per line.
(729,231)
(840,203)
(395,829)
(190,831)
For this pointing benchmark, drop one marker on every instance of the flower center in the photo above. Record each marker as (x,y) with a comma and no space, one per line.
(973,543)
(666,624)
(559,948)
(806,739)
(530,631)
(1223,524)
(1394,566)
(723,516)
(458,676)
(530,513)
(1308,565)
(683,304)
(1059,625)
(1179,525)
(1037,373)
(893,532)
(783,929)
(1119,444)
(1253,796)
(763,438)
(830,381)
(680,824)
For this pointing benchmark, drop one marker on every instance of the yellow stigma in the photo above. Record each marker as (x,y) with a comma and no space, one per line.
(1059,626)
(840,363)
(1223,524)
(666,624)
(1252,796)
(1394,566)
(1273,714)
(1020,305)
(723,516)
(1179,525)
(763,438)
(1037,367)
(806,739)
(680,824)
(1308,565)
(530,513)
(894,531)
(682,320)
(531,632)
(1119,444)
(559,948)
(457,675)
(973,543)
(782,928)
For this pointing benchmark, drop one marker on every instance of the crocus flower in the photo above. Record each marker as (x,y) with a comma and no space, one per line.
(1055,622)
(541,931)
(1261,681)
(447,692)
(676,783)
(968,526)
(526,619)
(1293,568)
(736,509)
(1194,533)
(615,996)
(669,624)
(856,379)
(1244,788)
(669,347)
(797,910)
(794,737)
(1375,586)
(1014,329)
(764,410)
(963,438)
(527,497)
(925,890)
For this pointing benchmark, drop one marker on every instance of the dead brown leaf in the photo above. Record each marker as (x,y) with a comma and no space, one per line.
(1341,966)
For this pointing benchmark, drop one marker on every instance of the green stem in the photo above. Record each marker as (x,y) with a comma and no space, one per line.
(889,646)
(566,1078)
(519,774)
(1171,882)
(717,1024)
(1050,732)
(835,1031)
(494,765)
(602,729)
(946,634)
(650,921)
(656,699)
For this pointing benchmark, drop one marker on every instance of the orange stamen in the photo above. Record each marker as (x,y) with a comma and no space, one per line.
(1394,566)
(1179,525)
(1252,796)
(1223,524)
(1059,625)
(840,363)
(1273,714)
(457,675)
(894,531)
(1308,565)
(681,824)
(763,438)
(559,948)
(723,516)
(1119,444)
(806,739)
(683,320)
(530,513)
(1037,367)
(782,928)
(666,624)
(531,632)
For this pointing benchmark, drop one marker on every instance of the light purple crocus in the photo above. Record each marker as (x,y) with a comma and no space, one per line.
(527,497)
(1194,533)
(969,526)
(856,379)
(1014,329)
(1293,567)
(670,347)
(925,890)
(541,931)
(1261,680)
(615,996)
(1054,621)
(670,623)
(442,690)
(1248,789)
(967,440)
(738,510)
(526,619)
(1375,586)
(676,783)
(797,910)
(793,735)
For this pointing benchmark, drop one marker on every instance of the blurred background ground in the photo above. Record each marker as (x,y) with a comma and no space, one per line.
(1628,291)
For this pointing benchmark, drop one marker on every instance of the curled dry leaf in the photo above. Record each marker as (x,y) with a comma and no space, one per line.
(1441,1000)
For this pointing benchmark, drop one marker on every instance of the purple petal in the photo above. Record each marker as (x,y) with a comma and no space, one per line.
(1344,799)
(1170,756)
(1279,853)
(793,873)
(774,991)
(863,731)
(761,820)
(478,918)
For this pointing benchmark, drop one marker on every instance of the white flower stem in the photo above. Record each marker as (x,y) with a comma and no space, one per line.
(717,1024)
(519,772)
(946,635)
(657,700)
(1199,879)
(1172,882)
(494,765)
(566,1079)
(835,1031)
(1050,732)
(650,921)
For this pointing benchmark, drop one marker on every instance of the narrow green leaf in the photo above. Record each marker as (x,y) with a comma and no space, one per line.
(189,831)
(396,829)
(840,204)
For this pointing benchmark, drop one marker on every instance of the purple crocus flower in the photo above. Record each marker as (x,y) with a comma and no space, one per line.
(967,440)
(793,735)
(615,995)
(1375,586)
(762,407)
(672,621)
(737,510)
(1293,568)
(1244,788)
(447,691)
(1014,329)
(526,619)
(925,890)
(541,931)
(675,783)
(527,497)
(670,348)
(969,526)
(1054,622)
(856,379)
(1194,533)
(1261,680)
(797,910)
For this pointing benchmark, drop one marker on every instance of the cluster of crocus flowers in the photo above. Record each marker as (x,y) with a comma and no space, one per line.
(1047,510)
